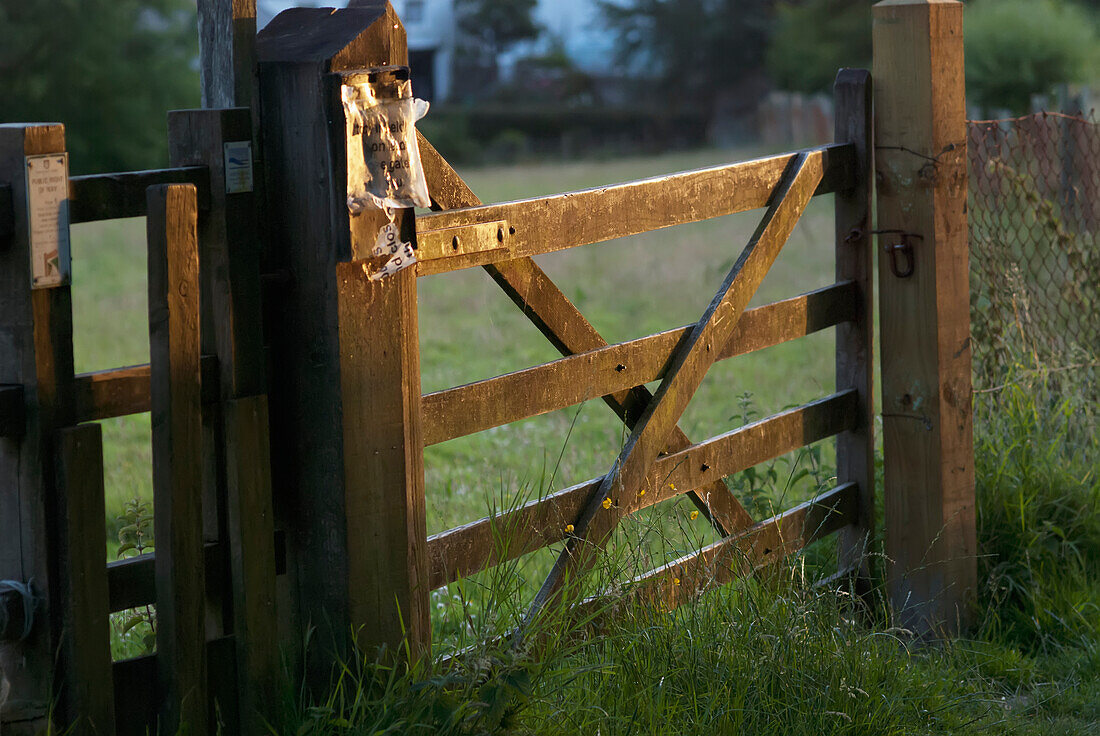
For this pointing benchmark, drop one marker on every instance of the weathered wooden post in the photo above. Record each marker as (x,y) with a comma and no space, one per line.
(345,389)
(36,354)
(921,169)
(855,351)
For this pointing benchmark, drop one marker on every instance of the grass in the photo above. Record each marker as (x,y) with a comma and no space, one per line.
(773,654)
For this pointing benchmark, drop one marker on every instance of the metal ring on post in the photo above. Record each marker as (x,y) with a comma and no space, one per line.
(17,606)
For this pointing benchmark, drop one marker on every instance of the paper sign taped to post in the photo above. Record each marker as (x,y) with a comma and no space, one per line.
(399,255)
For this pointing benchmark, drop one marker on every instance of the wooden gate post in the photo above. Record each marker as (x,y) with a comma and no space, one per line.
(36,353)
(855,350)
(345,388)
(921,170)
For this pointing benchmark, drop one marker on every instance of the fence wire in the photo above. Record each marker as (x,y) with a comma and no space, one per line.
(1034,244)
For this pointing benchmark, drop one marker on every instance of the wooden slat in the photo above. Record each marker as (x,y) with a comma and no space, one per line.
(546,224)
(490,403)
(689,366)
(744,552)
(13,413)
(132,582)
(252,559)
(138,689)
(559,320)
(855,449)
(111,196)
(473,547)
(177,454)
(87,694)
(120,392)
(681,580)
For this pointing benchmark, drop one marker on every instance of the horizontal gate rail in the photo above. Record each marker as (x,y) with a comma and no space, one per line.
(682,580)
(481,405)
(112,196)
(468,549)
(476,236)
(120,392)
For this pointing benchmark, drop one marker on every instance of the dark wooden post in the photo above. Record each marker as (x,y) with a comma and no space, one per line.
(86,683)
(855,450)
(921,169)
(345,390)
(230,254)
(177,455)
(227,52)
(35,353)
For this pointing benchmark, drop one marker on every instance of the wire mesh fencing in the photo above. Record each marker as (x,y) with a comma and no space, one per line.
(1035,246)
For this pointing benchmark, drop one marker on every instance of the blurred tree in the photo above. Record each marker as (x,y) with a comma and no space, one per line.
(1017,48)
(815,38)
(495,25)
(108,69)
(697,49)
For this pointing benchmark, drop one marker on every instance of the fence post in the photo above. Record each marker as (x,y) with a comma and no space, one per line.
(176,402)
(921,170)
(345,389)
(855,449)
(36,353)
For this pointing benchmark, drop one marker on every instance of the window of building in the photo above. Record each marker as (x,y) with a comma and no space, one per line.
(414,11)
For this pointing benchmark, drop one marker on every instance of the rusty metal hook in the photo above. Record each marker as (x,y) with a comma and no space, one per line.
(902,256)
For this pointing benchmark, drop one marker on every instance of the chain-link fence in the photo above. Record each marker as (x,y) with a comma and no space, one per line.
(1034,245)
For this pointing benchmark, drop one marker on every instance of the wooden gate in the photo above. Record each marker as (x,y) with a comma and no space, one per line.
(325,530)
(365,423)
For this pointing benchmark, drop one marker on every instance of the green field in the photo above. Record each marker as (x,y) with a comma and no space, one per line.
(470,330)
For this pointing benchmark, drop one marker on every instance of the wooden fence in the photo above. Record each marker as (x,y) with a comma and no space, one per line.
(311,515)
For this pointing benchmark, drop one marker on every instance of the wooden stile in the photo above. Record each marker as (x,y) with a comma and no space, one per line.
(174,346)
(921,169)
(855,449)
(87,692)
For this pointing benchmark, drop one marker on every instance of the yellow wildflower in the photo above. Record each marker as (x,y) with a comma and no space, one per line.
(672,486)
(641,493)
(694,515)
(676,581)
(568,528)
(607,503)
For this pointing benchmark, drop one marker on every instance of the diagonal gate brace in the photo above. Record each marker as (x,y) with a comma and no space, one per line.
(689,366)
(566,328)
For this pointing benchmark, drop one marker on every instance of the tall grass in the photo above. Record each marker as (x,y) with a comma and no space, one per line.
(776,653)
(1038,472)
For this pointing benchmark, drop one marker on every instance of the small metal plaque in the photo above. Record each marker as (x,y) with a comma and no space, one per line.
(48,219)
(238,167)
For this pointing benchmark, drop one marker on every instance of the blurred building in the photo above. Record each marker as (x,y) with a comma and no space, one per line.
(569,25)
